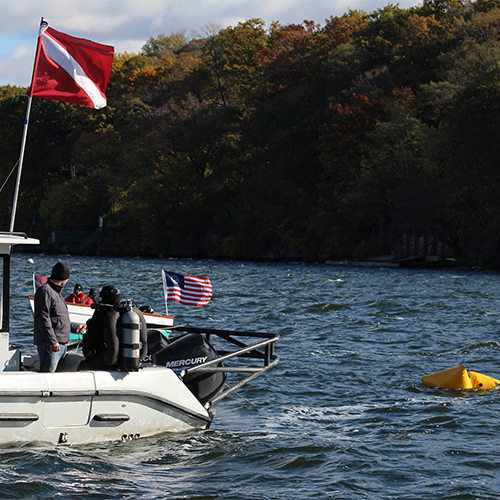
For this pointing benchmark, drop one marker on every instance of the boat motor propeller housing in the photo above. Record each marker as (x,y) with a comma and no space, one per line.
(130,345)
(191,350)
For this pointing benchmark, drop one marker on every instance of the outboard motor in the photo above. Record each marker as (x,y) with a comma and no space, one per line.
(191,350)
(130,339)
(157,340)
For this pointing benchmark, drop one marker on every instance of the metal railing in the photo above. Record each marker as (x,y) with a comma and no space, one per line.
(261,351)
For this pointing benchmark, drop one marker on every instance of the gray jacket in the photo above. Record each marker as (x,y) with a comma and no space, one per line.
(52,324)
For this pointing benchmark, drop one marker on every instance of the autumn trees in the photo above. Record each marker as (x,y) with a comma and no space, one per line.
(283,141)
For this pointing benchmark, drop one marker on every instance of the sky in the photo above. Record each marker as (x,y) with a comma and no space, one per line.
(128,24)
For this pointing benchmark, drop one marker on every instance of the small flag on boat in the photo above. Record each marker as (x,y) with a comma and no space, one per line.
(186,289)
(71,69)
(39,280)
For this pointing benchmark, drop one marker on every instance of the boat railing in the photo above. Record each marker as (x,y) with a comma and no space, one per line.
(262,350)
(14,233)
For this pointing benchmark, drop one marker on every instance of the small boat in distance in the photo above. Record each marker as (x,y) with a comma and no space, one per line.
(80,313)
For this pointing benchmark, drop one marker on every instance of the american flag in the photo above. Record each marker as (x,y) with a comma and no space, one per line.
(186,289)
(39,280)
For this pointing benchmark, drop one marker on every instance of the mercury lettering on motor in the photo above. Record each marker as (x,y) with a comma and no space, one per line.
(186,362)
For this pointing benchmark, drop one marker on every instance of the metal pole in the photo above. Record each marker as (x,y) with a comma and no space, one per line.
(43,26)
(20,167)
(165,290)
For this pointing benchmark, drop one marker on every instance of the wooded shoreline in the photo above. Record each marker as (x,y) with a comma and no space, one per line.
(374,134)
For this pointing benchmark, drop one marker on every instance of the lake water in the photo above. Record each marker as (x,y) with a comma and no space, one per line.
(343,416)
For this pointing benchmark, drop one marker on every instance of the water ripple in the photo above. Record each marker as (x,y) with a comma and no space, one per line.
(344,415)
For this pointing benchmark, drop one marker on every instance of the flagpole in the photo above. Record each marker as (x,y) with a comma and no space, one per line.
(164,290)
(20,166)
(43,25)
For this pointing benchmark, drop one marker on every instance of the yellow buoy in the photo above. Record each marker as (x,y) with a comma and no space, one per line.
(459,378)
(452,378)
(480,381)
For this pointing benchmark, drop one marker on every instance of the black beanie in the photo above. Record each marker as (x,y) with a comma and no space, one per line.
(60,272)
(110,294)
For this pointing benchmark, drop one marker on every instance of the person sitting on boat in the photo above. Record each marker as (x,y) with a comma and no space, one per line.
(78,297)
(93,294)
(52,323)
(101,340)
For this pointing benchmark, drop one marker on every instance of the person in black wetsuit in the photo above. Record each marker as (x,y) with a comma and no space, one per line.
(101,341)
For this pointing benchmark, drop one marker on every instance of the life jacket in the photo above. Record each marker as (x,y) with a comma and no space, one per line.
(79,299)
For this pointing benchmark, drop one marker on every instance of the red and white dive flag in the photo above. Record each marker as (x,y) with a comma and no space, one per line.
(188,290)
(71,69)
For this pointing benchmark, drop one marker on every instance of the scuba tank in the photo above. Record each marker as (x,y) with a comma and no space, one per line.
(130,339)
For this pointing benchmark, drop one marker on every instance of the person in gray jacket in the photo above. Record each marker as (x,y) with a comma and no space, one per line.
(52,323)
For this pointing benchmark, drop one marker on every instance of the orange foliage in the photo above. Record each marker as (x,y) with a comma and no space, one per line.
(168,69)
(420,30)
(342,29)
(344,138)
(292,54)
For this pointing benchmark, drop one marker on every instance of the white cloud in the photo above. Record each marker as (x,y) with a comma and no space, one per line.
(17,66)
(127,24)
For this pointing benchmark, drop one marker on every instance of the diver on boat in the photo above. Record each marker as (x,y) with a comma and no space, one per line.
(116,336)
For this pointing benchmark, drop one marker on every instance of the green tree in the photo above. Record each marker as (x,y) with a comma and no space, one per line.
(235,58)
(164,45)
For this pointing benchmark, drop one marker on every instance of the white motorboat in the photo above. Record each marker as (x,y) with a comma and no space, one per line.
(80,313)
(178,386)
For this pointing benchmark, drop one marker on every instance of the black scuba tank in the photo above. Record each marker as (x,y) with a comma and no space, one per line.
(191,350)
(130,339)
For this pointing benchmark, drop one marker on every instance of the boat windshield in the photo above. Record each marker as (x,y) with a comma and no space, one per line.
(7,241)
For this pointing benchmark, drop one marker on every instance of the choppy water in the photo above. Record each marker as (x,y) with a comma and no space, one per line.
(343,416)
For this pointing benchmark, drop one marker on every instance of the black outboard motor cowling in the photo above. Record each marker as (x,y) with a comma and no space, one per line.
(191,350)
(156,342)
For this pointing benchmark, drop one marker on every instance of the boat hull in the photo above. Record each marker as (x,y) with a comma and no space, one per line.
(95,406)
